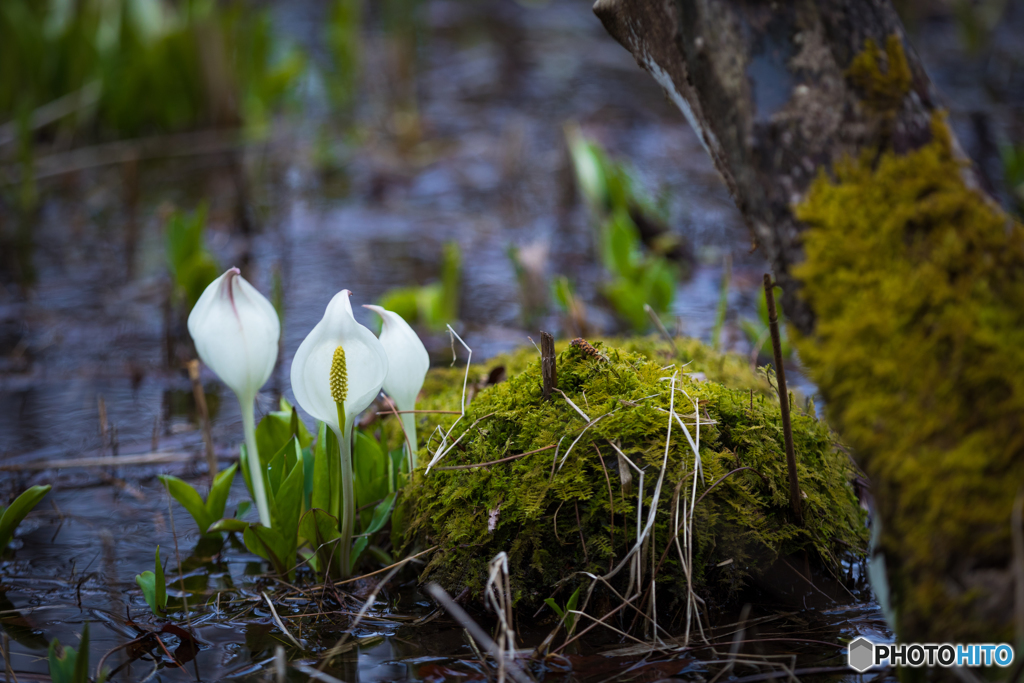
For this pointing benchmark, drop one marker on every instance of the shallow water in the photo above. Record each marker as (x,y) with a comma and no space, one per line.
(488,172)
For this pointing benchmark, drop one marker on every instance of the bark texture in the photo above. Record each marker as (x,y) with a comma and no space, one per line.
(905,283)
(765,86)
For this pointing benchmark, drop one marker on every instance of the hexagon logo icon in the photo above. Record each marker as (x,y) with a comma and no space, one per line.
(860,654)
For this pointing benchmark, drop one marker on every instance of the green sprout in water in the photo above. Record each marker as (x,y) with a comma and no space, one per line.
(68,665)
(436,304)
(191,265)
(205,513)
(638,274)
(154,588)
(10,517)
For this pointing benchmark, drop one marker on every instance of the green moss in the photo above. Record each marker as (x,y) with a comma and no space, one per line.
(883,91)
(554,522)
(917,282)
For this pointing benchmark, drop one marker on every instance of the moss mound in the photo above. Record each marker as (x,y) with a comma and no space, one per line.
(579,513)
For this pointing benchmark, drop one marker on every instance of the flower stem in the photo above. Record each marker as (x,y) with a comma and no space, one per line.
(255,464)
(409,425)
(348,501)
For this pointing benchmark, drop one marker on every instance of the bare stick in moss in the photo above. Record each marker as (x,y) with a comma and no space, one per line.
(780,376)
(661,328)
(548,371)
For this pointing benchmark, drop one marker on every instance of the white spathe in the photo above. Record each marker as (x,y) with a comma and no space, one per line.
(236,333)
(408,360)
(366,364)
(408,363)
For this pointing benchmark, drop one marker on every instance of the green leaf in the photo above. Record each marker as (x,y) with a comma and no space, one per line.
(154,589)
(550,602)
(327,473)
(402,301)
(321,531)
(272,546)
(242,508)
(357,549)
(189,499)
(282,463)
(228,524)
(308,469)
(381,514)
(289,500)
(13,515)
(81,674)
(68,665)
(321,472)
(218,498)
(277,428)
(397,468)
(62,662)
(570,618)
(370,468)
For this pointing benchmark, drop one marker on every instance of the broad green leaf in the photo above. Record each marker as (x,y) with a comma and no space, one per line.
(298,426)
(242,508)
(357,549)
(321,531)
(282,463)
(308,463)
(622,244)
(62,662)
(16,512)
(189,499)
(271,545)
(327,473)
(68,665)
(218,498)
(243,464)
(381,514)
(402,301)
(321,472)
(289,499)
(228,524)
(277,428)
(370,468)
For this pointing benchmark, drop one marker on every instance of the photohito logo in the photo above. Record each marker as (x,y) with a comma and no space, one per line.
(862,654)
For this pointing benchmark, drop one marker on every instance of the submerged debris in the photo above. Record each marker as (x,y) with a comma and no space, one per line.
(575,478)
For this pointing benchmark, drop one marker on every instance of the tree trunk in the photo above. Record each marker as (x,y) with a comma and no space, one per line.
(904,283)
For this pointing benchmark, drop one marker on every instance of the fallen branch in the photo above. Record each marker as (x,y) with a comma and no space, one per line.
(102,461)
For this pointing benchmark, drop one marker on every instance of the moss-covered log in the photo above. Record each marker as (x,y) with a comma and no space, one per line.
(905,283)
(571,504)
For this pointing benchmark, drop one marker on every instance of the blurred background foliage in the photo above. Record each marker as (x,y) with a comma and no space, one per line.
(124,68)
(128,68)
(79,74)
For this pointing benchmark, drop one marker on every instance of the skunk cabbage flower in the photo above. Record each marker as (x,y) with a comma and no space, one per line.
(408,363)
(236,333)
(340,363)
(336,373)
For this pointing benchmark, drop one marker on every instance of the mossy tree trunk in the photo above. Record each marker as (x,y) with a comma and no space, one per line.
(904,283)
